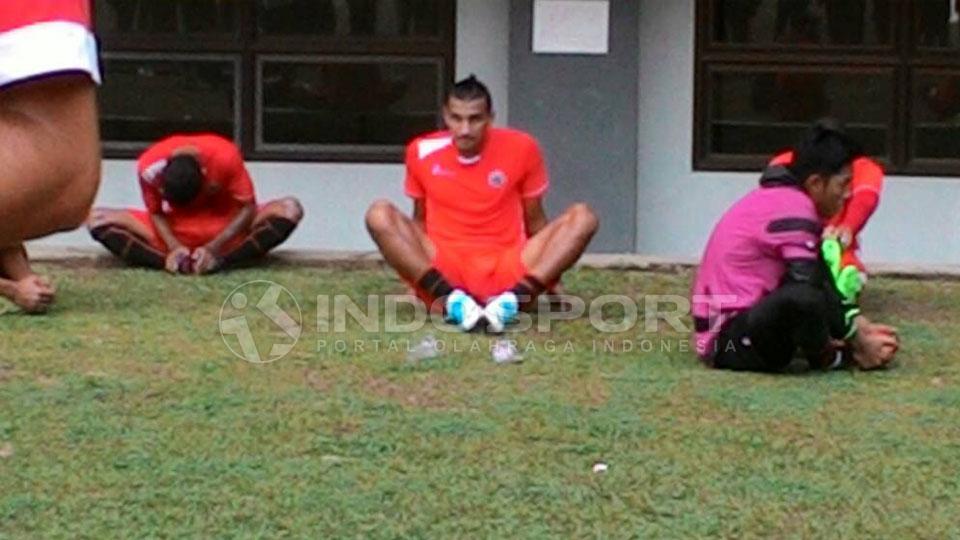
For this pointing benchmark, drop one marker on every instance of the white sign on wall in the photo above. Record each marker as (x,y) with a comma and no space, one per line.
(571,26)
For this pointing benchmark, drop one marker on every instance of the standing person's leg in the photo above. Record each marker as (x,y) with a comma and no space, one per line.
(49,156)
(20,285)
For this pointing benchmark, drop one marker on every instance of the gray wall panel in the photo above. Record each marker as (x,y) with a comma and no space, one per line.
(583,109)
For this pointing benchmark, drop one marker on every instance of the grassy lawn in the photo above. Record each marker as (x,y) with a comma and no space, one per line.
(124,414)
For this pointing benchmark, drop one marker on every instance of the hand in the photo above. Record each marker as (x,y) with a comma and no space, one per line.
(175,258)
(875,345)
(842,233)
(205,261)
(34,294)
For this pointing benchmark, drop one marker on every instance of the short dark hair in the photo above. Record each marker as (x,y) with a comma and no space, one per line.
(470,89)
(825,149)
(182,178)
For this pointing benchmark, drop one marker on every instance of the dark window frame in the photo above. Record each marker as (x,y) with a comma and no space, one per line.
(903,56)
(247,47)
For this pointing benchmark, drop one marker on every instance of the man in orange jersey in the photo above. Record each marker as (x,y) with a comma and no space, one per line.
(865,186)
(201,213)
(479,241)
(49,140)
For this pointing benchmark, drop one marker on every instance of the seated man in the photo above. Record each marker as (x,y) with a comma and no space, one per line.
(201,213)
(479,235)
(763,288)
(49,141)
(866,183)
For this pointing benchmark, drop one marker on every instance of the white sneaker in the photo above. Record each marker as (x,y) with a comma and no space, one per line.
(501,311)
(462,310)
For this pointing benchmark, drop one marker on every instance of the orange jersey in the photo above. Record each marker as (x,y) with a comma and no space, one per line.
(478,203)
(20,13)
(226,187)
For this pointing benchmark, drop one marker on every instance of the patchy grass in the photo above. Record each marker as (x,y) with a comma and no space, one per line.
(123,414)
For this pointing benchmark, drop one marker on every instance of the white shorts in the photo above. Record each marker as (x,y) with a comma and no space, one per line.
(40,38)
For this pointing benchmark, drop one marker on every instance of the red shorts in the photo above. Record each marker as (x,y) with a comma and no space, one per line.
(46,37)
(192,232)
(482,273)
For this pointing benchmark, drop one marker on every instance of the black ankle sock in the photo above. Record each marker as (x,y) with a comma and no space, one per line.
(268,234)
(435,284)
(528,288)
(128,246)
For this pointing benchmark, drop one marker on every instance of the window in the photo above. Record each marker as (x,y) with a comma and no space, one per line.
(322,80)
(766,69)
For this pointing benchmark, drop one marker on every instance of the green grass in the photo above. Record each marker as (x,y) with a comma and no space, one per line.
(127,416)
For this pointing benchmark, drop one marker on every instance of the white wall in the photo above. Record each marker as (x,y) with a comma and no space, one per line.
(917,222)
(336,195)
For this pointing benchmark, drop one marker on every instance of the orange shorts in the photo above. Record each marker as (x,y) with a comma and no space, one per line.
(192,232)
(482,272)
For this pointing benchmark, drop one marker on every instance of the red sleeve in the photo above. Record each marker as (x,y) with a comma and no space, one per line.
(865,190)
(782,159)
(412,185)
(149,169)
(232,174)
(151,196)
(534,183)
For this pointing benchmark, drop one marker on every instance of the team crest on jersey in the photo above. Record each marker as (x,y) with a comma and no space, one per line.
(497,178)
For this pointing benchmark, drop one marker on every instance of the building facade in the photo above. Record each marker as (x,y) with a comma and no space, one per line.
(625,131)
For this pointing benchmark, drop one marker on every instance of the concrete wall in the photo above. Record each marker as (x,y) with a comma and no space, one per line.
(336,195)
(583,109)
(917,221)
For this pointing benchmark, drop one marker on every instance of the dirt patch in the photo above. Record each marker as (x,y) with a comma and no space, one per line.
(6,372)
(591,392)
(427,393)
(317,381)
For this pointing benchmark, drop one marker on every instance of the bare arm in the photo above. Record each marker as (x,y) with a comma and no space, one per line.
(534,217)
(166,234)
(240,223)
(420,213)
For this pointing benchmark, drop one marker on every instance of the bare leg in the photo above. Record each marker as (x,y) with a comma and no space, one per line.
(288,208)
(120,217)
(403,243)
(49,157)
(126,237)
(559,245)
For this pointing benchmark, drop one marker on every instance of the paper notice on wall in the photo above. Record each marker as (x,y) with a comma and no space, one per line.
(571,26)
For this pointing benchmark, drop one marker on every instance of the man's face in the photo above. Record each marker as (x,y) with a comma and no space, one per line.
(468,122)
(829,192)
